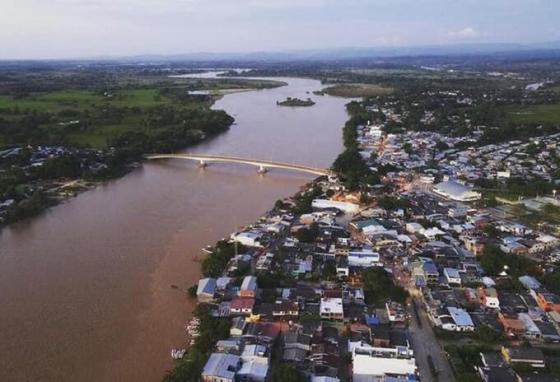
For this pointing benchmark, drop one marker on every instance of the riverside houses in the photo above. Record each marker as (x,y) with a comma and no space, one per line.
(345,280)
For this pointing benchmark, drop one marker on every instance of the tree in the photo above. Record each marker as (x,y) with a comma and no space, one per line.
(552,281)
(308,235)
(392,203)
(352,166)
(441,146)
(487,334)
(491,231)
(493,261)
(304,200)
(379,286)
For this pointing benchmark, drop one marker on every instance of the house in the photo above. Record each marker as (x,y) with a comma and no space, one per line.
(496,374)
(512,325)
(253,371)
(316,378)
(452,276)
(248,287)
(363,258)
(548,330)
(248,238)
(530,282)
(445,322)
(220,367)
(296,345)
(414,228)
(473,244)
(462,320)
(489,297)
(342,269)
(431,273)
(533,357)
(222,283)
(380,335)
(237,326)
(241,305)
(395,311)
(377,364)
(346,207)
(548,301)
(531,330)
(206,289)
(456,191)
(285,309)
(228,346)
(254,352)
(331,308)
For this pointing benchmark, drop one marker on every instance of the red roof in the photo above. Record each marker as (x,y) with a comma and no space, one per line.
(241,303)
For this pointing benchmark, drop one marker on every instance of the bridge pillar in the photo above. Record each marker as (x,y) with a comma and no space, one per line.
(202,164)
(262,170)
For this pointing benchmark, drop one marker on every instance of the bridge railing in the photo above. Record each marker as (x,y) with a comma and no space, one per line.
(254,162)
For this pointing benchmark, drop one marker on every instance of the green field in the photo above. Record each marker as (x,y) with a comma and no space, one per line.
(357,90)
(80,100)
(104,115)
(84,105)
(546,114)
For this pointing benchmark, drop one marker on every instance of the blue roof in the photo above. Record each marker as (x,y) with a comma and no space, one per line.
(420,281)
(372,319)
(430,267)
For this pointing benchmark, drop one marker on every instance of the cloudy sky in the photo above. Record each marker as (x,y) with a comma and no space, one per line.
(90,28)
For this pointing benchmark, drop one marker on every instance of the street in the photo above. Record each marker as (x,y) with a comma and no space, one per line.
(424,343)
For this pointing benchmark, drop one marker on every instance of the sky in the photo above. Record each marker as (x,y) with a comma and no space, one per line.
(96,28)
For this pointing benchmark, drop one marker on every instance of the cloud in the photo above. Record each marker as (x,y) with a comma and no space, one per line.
(464,34)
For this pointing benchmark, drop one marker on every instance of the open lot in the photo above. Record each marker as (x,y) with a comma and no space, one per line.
(357,90)
(549,114)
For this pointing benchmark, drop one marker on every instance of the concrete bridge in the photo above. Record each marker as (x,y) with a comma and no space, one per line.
(262,165)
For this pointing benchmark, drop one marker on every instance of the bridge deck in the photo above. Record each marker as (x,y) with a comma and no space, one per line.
(230,159)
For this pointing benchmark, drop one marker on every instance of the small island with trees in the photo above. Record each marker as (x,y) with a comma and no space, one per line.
(296,102)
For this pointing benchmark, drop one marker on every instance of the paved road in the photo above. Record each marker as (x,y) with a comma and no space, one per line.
(424,343)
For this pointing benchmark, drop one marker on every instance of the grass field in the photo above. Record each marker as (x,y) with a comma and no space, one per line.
(80,100)
(102,117)
(88,105)
(549,114)
(357,90)
(52,102)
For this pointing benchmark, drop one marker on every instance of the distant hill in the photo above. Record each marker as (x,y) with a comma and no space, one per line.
(355,53)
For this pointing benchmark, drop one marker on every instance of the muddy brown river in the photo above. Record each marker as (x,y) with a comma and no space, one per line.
(85,287)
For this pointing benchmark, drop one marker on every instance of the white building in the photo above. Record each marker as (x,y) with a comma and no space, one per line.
(376,364)
(363,258)
(248,238)
(349,208)
(462,319)
(531,329)
(456,191)
(490,298)
(331,308)
(220,367)
(253,371)
(452,276)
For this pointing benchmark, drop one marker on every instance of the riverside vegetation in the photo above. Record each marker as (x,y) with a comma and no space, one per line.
(63,123)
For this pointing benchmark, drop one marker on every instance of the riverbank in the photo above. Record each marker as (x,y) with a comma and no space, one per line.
(213,327)
(102,263)
(63,130)
(43,187)
(289,224)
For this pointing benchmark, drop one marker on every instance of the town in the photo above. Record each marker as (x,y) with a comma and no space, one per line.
(424,270)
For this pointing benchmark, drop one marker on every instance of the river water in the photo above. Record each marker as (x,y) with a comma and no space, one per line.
(85,287)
